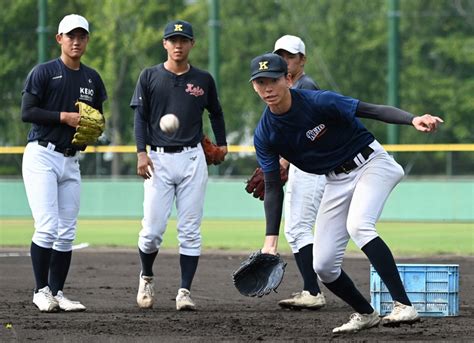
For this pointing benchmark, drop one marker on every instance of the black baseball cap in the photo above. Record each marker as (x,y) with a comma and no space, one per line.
(178,28)
(268,65)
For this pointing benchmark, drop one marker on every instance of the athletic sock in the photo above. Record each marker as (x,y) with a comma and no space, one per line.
(147,261)
(188,269)
(382,259)
(309,276)
(40,258)
(58,270)
(298,261)
(345,289)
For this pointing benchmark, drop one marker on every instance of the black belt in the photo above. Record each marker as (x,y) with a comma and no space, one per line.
(68,152)
(350,165)
(172,149)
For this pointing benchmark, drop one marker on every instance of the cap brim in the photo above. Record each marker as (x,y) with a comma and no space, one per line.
(290,50)
(269,74)
(178,34)
(67,30)
(78,27)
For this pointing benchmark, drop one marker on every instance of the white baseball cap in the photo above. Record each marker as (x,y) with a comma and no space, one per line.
(292,44)
(71,22)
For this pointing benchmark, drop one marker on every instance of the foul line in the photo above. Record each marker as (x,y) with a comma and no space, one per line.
(26,254)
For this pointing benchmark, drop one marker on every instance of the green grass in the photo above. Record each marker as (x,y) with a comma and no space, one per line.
(246,235)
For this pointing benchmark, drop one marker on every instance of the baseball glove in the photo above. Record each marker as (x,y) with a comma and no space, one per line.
(214,155)
(91,125)
(259,274)
(256,184)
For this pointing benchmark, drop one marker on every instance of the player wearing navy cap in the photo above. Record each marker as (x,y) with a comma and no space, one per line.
(175,167)
(51,163)
(319,132)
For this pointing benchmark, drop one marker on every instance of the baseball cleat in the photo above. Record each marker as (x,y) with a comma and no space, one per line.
(303,300)
(184,301)
(146,292)
(45,301)
(358,322)
(401,314)
(68,305)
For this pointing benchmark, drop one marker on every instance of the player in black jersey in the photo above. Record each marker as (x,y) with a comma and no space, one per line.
(175,168)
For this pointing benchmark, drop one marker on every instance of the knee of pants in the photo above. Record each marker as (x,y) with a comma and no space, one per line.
(291,242)
(63,245)
(298,237)
(44,239)
(190,246)
(326,270)
(361,233)
(149,244)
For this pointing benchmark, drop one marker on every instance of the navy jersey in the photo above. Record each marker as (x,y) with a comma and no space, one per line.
(159,92)
(317,134)
(58,88)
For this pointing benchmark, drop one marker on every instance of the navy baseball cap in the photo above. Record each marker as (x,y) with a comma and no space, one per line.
(268,65)
(178,28)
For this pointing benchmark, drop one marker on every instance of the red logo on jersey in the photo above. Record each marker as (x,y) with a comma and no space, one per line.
(317,132)
(196,91)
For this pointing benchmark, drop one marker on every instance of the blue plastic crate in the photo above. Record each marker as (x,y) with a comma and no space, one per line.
(432,288)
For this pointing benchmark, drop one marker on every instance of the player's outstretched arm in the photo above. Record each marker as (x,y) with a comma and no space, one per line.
(427,123)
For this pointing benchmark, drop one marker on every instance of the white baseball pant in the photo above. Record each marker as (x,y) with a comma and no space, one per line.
(351,205)
(181,176)
(53,188)
(304,192)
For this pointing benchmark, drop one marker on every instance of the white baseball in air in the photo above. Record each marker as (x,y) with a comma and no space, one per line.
(169,123)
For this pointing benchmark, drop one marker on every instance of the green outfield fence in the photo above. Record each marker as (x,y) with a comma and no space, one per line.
(423,199)
(418,200)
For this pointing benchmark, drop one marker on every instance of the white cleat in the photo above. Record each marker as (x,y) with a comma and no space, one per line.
(401,314)
(146,292)
(184,301)
(68,305)
(304,300)
(358,322)
(45,301)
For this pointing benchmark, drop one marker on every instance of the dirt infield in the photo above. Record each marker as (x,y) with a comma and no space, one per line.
(106,282)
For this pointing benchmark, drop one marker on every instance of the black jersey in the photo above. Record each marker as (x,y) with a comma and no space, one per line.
(58,88)
(305,82)
(159,92)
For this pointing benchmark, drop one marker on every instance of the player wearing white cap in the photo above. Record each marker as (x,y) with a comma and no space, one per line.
(50,165)
(303,191)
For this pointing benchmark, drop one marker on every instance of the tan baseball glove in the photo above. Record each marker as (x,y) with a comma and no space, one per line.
(91,125)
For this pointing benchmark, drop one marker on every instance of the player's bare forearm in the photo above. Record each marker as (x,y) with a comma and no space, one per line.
(427,123)
(270,245)
(144,165)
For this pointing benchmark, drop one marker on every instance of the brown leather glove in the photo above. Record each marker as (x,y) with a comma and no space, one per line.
(256,183)
(214,154)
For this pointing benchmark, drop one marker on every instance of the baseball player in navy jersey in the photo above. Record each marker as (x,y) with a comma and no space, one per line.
(303,191)
(320,133)
(175,167)
(50,162)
